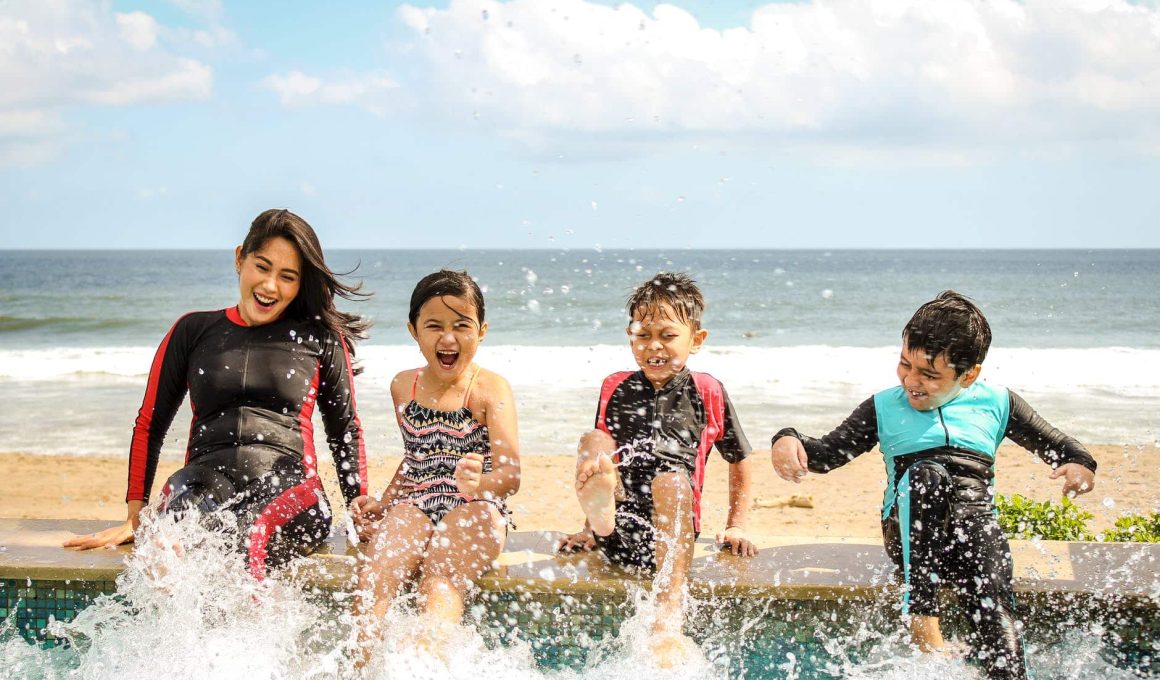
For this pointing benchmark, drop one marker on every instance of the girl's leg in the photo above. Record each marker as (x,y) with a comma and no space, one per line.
(388,562)
(465,545)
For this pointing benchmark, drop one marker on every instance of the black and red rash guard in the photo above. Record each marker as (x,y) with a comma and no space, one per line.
(670,428)
(252,391)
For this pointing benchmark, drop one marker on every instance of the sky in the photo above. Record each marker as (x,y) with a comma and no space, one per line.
(582,124)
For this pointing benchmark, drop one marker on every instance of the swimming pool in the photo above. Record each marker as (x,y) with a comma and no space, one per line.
(541,616)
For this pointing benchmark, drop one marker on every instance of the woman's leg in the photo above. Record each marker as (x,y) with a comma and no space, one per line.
(462,548)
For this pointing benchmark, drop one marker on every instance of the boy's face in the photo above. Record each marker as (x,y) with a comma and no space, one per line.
(661,342)
(930,384)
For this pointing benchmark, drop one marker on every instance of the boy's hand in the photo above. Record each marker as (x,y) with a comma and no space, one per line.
(468,473)
(365,511)
(1076,479)
(735,540)
(581,541)
(790,461)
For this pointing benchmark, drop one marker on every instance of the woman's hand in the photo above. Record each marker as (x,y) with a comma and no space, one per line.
(468,473)
(366,511)
(113,536)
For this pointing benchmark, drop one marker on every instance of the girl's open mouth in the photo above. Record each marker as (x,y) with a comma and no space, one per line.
(446,358)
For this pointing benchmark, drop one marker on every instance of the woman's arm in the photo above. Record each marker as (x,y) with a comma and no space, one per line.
(164,392)
(339,410)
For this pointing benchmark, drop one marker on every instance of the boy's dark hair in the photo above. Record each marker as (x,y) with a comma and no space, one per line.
(950,323)
(446,282)
(676,290)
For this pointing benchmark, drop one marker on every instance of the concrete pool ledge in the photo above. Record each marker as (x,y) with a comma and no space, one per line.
(787,567)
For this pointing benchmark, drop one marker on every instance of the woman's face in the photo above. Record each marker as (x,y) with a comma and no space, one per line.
(268,278)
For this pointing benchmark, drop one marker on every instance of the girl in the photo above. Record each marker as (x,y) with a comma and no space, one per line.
(441,521)
(254,373)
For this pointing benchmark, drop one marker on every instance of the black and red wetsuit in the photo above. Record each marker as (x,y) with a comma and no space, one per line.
(667,430)
(253,391)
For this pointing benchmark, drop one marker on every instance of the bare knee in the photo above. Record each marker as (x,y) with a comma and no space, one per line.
(596,441)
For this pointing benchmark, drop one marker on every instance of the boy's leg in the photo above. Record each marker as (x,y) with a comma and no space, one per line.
(672,496)
(596,481)
(468,541)
(916,538)
(982,575)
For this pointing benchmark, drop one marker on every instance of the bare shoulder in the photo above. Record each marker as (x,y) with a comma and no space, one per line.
(492,393)
(492,385)
(401,385)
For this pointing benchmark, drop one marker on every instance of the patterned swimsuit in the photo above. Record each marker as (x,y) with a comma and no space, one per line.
(433,442)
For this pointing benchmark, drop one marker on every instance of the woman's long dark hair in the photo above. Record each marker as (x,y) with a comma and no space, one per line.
(318,284)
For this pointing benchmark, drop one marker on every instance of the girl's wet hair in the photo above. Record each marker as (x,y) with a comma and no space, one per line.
(318,284)
(677,290)
(953,324)
(446,282)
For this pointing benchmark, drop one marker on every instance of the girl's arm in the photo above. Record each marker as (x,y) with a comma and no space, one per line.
(499,415)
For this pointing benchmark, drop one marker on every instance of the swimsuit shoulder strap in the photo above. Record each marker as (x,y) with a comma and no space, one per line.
(470,384)
(414,384)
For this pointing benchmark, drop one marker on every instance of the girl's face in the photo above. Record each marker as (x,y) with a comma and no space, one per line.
(269,279)
(448,334)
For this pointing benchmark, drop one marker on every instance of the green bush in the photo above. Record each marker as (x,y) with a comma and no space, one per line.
(1022,518)
(1136,528)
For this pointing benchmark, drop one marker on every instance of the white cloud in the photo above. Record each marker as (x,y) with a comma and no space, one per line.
(64,53)
(873,73)
(138,29)
(371,90)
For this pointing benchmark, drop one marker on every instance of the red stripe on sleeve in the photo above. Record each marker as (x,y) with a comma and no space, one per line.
(362,447)
(139,448)
(306,427)
(610,384)
(710,392)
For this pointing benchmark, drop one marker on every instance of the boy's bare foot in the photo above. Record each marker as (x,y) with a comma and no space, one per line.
(596,488)
(671,649)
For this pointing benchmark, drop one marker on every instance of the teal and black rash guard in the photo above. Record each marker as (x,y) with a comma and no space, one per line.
(253,391)
(938,520)
(963,434)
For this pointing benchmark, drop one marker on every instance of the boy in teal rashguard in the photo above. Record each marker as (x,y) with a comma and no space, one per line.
(938,432)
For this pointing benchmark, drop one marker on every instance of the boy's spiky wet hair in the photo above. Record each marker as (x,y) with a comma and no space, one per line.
(678,291)
(953,325)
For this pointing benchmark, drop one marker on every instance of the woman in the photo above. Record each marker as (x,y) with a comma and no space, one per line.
(254,373)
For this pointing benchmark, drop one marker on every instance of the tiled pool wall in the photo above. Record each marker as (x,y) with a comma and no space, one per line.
(564,630)
(29,604)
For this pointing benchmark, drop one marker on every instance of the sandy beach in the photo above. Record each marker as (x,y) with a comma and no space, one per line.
(845,502)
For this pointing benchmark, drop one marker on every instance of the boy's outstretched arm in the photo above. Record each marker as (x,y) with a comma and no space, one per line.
(794,453)
(740,500)
(1062,452)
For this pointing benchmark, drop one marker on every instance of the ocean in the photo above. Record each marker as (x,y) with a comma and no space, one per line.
(798,337)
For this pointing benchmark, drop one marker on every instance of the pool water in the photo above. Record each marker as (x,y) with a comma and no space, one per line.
(200,615)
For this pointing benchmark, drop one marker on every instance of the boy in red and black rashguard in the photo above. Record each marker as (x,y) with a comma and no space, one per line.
(251,443)
(640,472)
